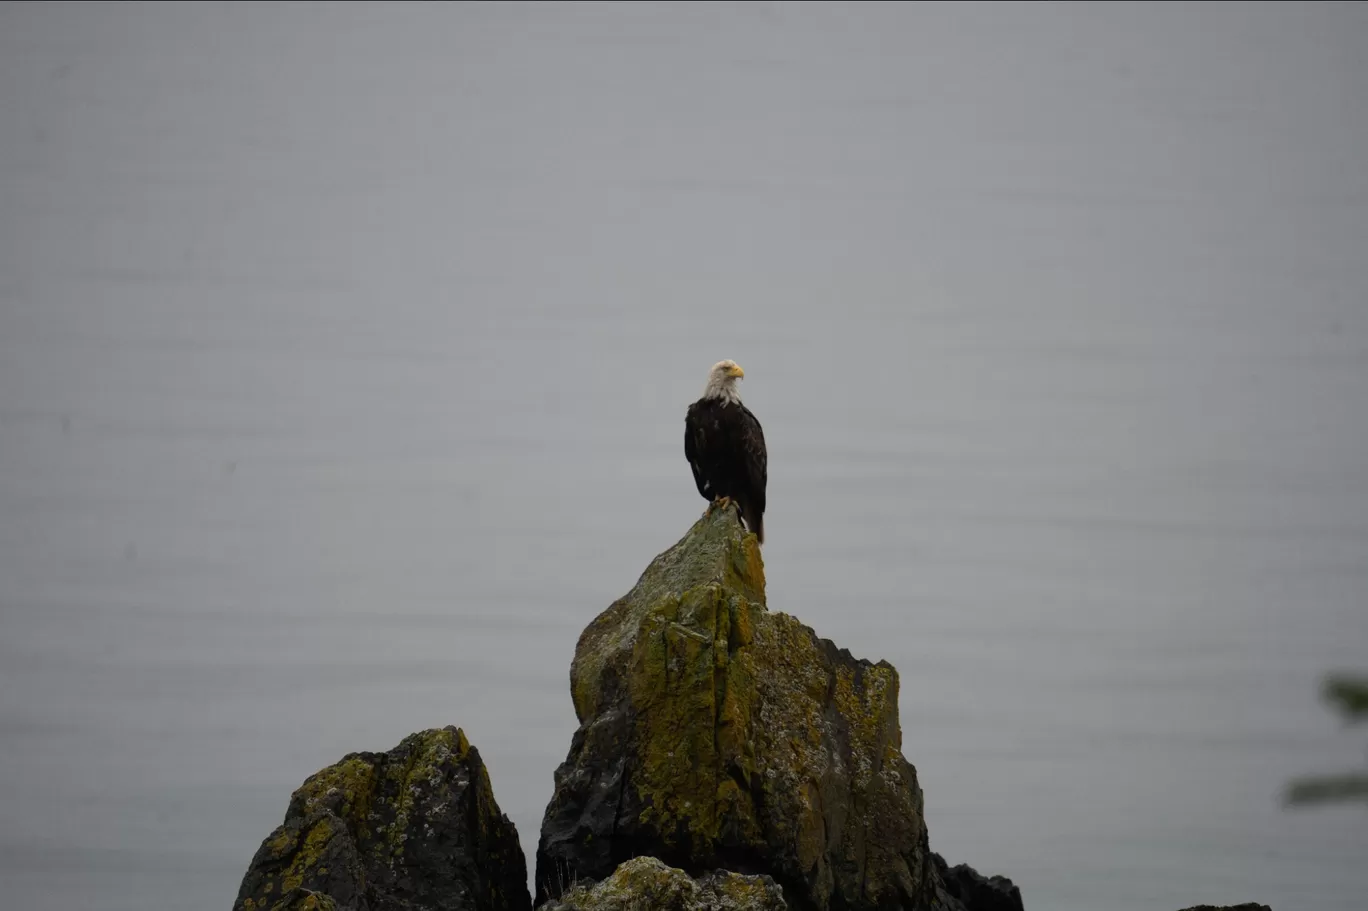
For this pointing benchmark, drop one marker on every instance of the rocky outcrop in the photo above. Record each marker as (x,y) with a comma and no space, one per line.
(727,759)
(412,829)
(715,733)
(964,887)
(645,882)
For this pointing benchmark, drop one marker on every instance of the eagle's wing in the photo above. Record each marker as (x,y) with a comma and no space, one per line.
(757,457)
(691,430)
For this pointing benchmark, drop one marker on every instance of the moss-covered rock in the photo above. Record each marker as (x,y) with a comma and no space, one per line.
(415,828)
(717,734)
(646,883)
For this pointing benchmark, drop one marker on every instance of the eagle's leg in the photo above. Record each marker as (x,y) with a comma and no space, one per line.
(719,503)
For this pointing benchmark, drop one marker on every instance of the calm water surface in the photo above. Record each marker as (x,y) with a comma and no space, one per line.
(344,351)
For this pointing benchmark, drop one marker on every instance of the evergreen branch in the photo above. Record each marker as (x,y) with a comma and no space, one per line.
(1303,791)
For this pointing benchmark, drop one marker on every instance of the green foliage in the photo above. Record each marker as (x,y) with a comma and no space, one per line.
(1349,695)
(1328,789)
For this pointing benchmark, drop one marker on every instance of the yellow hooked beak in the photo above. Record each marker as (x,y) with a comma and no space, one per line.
(737,372)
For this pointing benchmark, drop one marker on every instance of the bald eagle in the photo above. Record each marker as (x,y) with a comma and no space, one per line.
(725,447)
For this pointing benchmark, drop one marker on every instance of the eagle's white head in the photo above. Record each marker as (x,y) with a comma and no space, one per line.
(722,382)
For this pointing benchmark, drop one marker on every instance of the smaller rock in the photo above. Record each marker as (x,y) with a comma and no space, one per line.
(973,891)
(1248,906)
(414,827)
(645,882)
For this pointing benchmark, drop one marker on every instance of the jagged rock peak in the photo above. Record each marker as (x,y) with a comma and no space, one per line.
(715,733)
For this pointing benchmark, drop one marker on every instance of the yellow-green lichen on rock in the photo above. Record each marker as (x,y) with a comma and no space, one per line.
(646,884)
(717,733)
(416,826)
(706,556)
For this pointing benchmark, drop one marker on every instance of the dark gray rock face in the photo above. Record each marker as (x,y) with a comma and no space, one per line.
(413,829)
(305,900)
(963,887)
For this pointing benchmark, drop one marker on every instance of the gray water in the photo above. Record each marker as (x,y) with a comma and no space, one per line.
(344,351)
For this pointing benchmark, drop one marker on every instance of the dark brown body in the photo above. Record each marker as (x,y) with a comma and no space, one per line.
(725,446)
